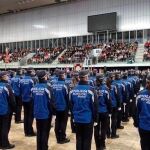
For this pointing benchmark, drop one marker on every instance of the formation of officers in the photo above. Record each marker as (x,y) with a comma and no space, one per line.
(95,102)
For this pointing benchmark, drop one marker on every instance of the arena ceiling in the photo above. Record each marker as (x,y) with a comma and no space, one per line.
(14,6)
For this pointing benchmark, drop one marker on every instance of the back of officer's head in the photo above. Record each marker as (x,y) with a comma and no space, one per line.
(125,75)
(117,75)
(42,75)
(68,74)
(99,78)
(83,75)
(61,75)
(19,71)
(4,76)
(148,82)
(30,71)
(109,78)
(12,73)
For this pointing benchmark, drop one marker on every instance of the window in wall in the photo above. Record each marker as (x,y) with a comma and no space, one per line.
(33,44)
(25,44)
(69,41)
(59,42)
(94,39)
(101,37)
(41,44)
(46,43)
(73,41)
(126,36)
(50,43)
(119,36)
(132,36)
(148,34)
(84,40)
(55,43)
(0,48)
(29,44)
(140,36)
(37,44)
(90,39)
(112,36)
(64,42)
(79,40)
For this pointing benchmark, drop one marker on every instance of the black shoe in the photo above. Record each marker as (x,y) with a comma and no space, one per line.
(30,135)
(114,136)
(18,122)
(10,146)
(120,127)
(101,148)
(66,140)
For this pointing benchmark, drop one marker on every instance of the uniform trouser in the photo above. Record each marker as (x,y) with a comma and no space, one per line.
(4,130)
(119,116)
(132,107)
(125,112)
(145,137)
(112,128)
(43,128)
(100,130)
(73,128)
(84,134)
(18,108)
(61,124)
(28,117)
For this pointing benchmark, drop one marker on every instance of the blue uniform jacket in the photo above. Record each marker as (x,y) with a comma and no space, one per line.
(41,97)
(60,95)
(104,102)
(26,84)
(15,84)
(143,110)
(82,103)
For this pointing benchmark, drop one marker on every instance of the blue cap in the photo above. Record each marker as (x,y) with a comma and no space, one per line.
(83,73)
(41,74)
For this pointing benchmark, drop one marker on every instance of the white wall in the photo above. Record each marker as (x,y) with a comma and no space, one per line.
(71,19)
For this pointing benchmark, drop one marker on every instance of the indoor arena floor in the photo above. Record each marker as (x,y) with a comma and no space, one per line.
(129,139)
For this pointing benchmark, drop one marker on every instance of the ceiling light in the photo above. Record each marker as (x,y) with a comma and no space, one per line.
(39,26)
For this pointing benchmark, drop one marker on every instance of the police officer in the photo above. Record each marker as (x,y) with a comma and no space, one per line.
(104,109)
(15,83)
(83,108)
(112,128)
(74,82)
(121,92)
(60,96)
(7,107)
(143,115)
(42,109)
(26,84)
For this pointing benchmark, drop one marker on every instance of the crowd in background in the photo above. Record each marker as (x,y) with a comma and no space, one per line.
(75,54)
(117,51)
(8,56)
(45,55)
(146,55)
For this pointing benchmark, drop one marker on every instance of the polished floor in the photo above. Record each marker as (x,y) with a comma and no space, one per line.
(129,139)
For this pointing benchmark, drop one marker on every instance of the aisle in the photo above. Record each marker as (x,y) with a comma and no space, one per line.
(129,139)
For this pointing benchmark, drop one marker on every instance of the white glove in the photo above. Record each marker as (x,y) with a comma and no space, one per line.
(110,115)
(124,104)
(130,100)
(95,124)
(134,95)
(119,108)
